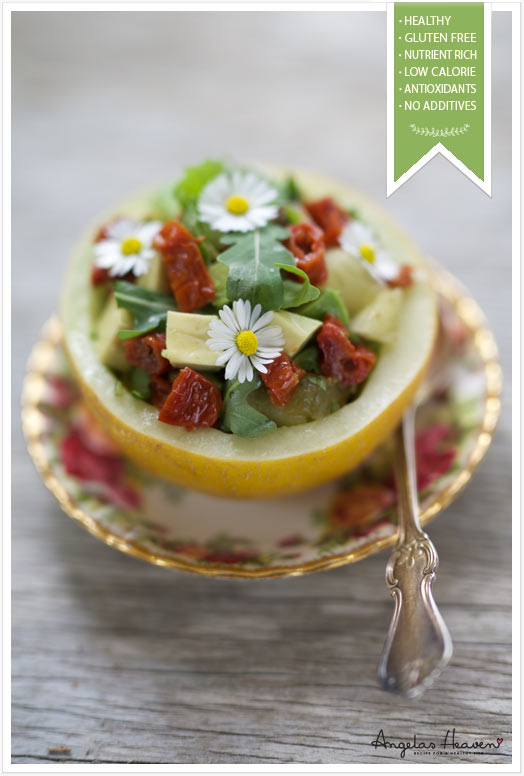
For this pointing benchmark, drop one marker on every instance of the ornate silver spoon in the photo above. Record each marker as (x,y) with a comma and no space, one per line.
(418,644)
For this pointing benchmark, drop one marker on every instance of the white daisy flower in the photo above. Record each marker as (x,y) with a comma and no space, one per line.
(237,202)
(359,240)
(245,339)
(127,247)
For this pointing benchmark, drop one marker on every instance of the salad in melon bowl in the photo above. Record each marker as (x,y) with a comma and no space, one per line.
(248,331)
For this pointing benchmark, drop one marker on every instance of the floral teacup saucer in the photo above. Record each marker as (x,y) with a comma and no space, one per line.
(339,523)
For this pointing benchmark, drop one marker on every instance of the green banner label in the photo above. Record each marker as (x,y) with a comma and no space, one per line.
(437,88)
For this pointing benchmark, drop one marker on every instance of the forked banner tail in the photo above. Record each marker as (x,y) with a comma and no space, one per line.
(439,89)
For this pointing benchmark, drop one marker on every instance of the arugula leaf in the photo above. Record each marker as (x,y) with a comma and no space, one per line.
(139,383)
(194,180)
(252,261)
(329,301)
(148,307)
(210,247)
(296,294)
(309,359)
(238,416)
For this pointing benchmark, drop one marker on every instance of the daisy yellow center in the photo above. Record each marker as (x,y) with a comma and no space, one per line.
(130,245)
(237,205)
(367,252)
(246,342)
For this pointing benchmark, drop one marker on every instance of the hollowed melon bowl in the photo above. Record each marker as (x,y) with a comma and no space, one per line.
(291,459)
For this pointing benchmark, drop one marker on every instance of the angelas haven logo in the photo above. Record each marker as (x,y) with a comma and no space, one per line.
(449,744)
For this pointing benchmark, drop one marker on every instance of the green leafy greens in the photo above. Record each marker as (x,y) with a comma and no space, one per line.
(296,294)
(139,383)
(195,179)
(293,215)
(329,302)
(187,192)
(288,191)
(210,246)
(148,307)
(238,416)
(309,359)
(320,382)
(252,261)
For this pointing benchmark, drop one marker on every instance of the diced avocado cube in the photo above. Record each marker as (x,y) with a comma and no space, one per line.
(155,279)
(186,335)
(297,329)
(378,320)
(109,346)
(347,275)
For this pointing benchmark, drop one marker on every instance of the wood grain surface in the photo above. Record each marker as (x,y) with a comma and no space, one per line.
(122,662)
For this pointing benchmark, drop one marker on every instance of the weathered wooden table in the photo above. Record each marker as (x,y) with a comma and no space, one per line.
(123,662)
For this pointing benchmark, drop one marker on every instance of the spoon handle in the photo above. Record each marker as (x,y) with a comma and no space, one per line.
(418,644)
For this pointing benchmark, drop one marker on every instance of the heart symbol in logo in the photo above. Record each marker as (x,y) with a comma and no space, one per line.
(499,741)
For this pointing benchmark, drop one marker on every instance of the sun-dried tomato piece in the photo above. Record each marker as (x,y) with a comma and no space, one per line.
(306,243)
(146,352)
(349,364)
(193,402)
(160,390)
(404,277)
(330,217)
(103,231)
(99,275)
(189,279)
(281,379)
